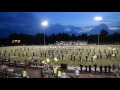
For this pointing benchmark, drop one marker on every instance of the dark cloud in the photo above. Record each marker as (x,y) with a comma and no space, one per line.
(19,23)
(26,18)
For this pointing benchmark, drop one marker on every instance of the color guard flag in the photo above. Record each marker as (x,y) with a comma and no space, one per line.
(94,57)
(109,48)
(55,59)
(48,60)
(113,55)
(114,49)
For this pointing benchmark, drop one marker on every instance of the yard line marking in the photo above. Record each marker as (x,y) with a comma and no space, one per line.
(111,65)
(70,63)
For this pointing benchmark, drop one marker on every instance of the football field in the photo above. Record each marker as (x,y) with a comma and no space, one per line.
(23,53)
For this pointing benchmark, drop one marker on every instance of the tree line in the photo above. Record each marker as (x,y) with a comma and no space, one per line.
(38,39)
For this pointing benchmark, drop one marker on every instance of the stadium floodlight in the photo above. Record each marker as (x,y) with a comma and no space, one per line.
(98,18)
(44,24)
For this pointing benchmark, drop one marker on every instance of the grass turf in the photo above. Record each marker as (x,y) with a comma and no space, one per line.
(67,56)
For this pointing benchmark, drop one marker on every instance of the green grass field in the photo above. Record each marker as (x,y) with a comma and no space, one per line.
(67,56)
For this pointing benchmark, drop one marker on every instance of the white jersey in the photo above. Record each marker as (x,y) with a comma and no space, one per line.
(77,73)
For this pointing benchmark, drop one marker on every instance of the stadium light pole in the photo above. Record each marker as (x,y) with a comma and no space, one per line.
(98,19)
(44,24)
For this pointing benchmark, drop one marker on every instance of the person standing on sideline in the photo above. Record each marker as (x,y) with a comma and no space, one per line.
(77,73)
(89,68)
(105,68)
(101,68)
(59,74)
(95,67)
(24,73)
(109,68)
(86,68)
(55,71)
(81,65)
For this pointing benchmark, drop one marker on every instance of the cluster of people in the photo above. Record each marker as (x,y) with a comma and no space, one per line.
(52,72)
(46,70)
(102,68)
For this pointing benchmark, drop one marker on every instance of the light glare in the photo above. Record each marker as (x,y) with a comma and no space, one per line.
(44,23)
(98,18)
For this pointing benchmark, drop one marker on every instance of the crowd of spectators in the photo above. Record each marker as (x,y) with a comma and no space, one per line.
(64,43)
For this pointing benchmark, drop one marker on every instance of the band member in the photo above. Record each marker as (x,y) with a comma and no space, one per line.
(80,58)
(104,50)
(62,57)
(52,55)
(26,54)
(74,58)
(101,56)
(86,56)
(99,51)
(90,50)
(9,54)
(91,59)
(41,54)
(19,54)
(33,53)
(71,57)
(28,49)
(45,54)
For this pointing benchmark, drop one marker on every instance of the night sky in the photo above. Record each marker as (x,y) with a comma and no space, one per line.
(72,22)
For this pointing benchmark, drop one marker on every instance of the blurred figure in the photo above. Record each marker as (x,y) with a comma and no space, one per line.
(105,68)
(109,68)
(24,73)
(86,68)
(101,68)
(81,65)
(55,71)
(77,72)
(64,75)
(59,74)
(95,66)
